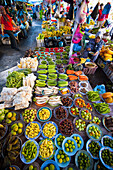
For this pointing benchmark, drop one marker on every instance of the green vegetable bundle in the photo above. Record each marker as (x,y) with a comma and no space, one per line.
(65,62)
(40,83)
(42,71)
(49,59)
(102,108)
(51,66)
(62,83)
(63,76)
(42,76)
(52,76)
(57,54)
(26,71)
(52,82)
(51,71)
(70,67)
(93,96)
(65,56)
(43,66)
(29,151)
(15,79)
(58,57)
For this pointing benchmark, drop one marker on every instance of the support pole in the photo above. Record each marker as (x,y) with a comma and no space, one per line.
(58,14)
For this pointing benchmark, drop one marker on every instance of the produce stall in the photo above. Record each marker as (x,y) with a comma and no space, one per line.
(51,118)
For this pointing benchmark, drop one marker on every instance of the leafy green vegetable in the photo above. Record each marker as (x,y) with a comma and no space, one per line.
(58,57)
(63,76)
(52,82)
(52,76)
(44,66)
(70,67)
(65,62)
(49,59)
(42,76)
(62,83)
(51,71)
(42,71)
(40,83)
(102,108)
(15,79)
(93,95)
(65,56)
(57,54)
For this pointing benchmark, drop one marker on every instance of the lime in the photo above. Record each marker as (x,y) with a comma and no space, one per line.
(59,143)
(78,138)
(58,156)
(67,159)
(78,145)
(62,156)
(64,160)
(67,149)
(80,142)
(66,145)
(60,136)
(60,160)
(73,147)
(63,137)
(74,137)
(70,146)
(72,143)
(60,152)
(71,150)
(58,139)
(69,141)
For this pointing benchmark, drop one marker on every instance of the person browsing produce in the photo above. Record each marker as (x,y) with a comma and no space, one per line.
(7,26)
(93,47)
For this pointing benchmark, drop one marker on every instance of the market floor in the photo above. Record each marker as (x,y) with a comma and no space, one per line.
(10,57)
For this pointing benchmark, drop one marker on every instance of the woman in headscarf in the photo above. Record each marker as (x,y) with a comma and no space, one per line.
(7,26)
(94,46)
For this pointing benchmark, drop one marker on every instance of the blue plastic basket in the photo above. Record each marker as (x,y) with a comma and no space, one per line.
(82,144)
(48,162)
(49,116)
(102,140)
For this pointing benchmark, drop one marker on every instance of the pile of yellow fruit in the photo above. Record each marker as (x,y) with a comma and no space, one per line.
(16,128)
(46,148)
(44,114)
(49,130)
(32,130)
(106,54)
(108,97)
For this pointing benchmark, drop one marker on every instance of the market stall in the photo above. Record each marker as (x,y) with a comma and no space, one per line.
(54,116)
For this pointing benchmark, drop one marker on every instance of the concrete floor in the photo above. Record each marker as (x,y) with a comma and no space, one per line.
(9,57)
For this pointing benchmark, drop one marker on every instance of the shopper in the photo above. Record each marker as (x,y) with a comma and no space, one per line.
(34,12)
(100,20)
(7,27)
(8,12)
(94,46)
(0,13)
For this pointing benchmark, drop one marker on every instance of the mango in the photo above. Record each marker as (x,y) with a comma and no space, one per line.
(13,133)
(20,125)
(109,100)
(19,131)
(14,114)
(13,118)
(8,121)
(9,115)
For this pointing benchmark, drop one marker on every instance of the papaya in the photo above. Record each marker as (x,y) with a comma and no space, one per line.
(110,52)
(107,55)
(109,100)
(107,95)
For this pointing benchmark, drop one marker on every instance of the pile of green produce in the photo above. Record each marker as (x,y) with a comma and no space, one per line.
(107,157)
(94,132)
(58,57)
(63,76)
(49,59)
(94,148)
(32,167)
(7,116)
(62,83)
(15,79)
(58,61)
(51,66)
(52,76)
(102,108)
(108,142)
(69,146)
(50,167)
(93,96)
(42,76)
(51,71)
(83,161)
(78,141)
(29,115)
(40,83)
(60,140)
(51,62)
(70,67)
(43,66)
(62,157)
(43,62)
(65,56)
(40,36)
(26,71)
(42,71)
(52,82)
(29,151)
(65,61)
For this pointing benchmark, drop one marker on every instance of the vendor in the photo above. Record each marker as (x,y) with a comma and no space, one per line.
(94,46)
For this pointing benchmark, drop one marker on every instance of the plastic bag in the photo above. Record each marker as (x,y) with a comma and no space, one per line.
(77,36)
